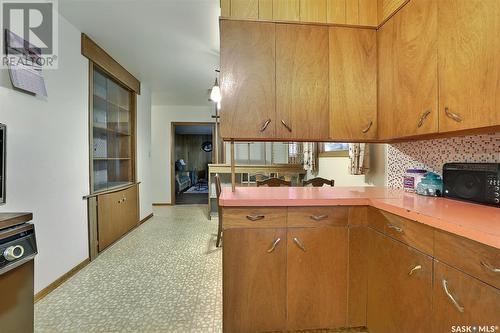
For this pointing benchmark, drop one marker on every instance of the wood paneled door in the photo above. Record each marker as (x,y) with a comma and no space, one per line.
(469,65)
(461,300)
(247,79)
(301,82)
(254,268)
(353,84)
(399,287)
(317,277)
(408,76)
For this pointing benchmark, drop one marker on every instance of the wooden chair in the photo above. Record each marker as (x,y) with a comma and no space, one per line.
(273,182)
(218,191)
(318,182)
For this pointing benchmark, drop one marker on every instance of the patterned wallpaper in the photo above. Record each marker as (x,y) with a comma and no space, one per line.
(432,154)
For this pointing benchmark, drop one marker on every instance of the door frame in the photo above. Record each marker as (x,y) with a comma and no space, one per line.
(172,150)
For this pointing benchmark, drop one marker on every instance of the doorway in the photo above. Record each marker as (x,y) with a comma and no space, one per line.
(191,152)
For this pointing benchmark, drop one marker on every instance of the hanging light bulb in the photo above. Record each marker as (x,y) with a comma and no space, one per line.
(215,95)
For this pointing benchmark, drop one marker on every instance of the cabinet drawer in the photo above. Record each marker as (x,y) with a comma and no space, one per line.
(407,231)
(253,217)
(476,259)
(317,216)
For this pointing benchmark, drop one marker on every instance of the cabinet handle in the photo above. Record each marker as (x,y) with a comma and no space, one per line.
(450,296)
(119,201)
(255,217)
(489,267)
(452,115)
(423,118)
(286,126)
(318,217)
(367,129)
(273,247)
(299,244)
(395,227)
(414,269)
(264,126)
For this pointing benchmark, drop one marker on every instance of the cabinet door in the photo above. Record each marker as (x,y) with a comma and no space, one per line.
(399,287)
(313,11)
(353,84)
(301,82)
(110,217)
(461,300)
(247,80)
(469,66)
(254,280)
(317,277)
(130,208)
(245,9)
(407,57)
(286,10)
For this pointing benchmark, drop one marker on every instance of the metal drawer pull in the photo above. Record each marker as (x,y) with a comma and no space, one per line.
(423,118)
(319,217)
(366,130)
(395,227)
(489,267)
(414,269)
(450,296)
(299,244)
(452,115)
(264,126)
(273,247)
(286,126)
(255,217)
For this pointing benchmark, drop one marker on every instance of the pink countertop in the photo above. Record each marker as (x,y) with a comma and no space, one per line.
(476,222)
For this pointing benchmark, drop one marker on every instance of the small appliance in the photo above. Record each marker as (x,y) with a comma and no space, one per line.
(474,182)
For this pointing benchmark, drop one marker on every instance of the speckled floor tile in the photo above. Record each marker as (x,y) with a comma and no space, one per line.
(165,276)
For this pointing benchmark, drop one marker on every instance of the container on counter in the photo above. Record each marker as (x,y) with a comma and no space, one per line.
(430,185)
(412,178)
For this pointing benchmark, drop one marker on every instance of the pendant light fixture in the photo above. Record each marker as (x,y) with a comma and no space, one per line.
(215,94)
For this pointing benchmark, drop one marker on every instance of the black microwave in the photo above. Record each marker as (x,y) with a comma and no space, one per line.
(3,162)
(474,182)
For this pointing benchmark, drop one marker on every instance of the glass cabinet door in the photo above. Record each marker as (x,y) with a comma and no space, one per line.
(112,134)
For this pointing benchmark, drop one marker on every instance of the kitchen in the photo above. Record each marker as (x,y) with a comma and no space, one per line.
(354,184)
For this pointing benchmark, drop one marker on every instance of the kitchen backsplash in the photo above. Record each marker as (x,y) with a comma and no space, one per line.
(432,154)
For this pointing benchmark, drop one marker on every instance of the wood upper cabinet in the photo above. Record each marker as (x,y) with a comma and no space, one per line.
(301,82)
(399,287)
(286,10)
(461,300)
(353,84)
(386,8)
(247,79)
(254,270)
(469,65)
(313,11)
(317,277)
(408,76)
(245,9)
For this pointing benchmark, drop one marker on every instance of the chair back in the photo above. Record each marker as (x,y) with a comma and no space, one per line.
(218,188)
(274,182)
(318,182)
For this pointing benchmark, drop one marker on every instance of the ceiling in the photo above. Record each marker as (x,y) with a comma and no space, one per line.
(170,45)
(193,129)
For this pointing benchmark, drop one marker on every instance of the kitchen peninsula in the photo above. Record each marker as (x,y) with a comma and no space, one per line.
(306,258)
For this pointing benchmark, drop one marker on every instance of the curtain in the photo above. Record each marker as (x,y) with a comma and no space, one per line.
(311,153)
(359,158)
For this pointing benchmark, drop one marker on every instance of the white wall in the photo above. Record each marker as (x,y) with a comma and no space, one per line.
(144,161)
(48,164)
(162,117)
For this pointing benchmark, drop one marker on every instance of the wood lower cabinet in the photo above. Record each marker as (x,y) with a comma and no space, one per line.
(461,300)
(254,273)
(117,214)
(248,59)
(469,66)
(399,287)
(408,73)
(301,82)
(317,277)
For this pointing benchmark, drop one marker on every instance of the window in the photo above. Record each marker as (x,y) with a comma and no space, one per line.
(334,149)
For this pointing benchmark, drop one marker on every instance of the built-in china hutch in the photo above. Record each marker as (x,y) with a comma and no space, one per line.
(113,202)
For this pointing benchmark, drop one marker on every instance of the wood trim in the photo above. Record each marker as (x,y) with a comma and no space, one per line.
(113,190)
(339,153)
(371,27)
(147,218)
(99,56)
(51,287)
(162,204)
